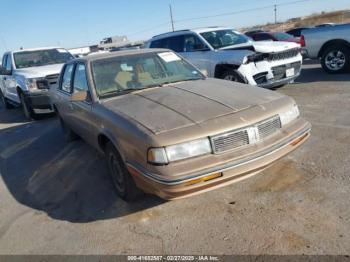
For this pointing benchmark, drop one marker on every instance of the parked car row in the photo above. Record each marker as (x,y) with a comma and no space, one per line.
(164,127)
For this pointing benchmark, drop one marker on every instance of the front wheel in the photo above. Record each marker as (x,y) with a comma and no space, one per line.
(336,59)
(122,179)
(232,75)
(27,109)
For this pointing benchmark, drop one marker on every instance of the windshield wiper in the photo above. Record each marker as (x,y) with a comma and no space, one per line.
(118,92)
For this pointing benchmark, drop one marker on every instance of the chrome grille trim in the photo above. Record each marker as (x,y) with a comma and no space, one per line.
(284,55)
(52,79)
(246,136)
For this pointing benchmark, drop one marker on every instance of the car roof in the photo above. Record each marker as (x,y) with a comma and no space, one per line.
(37,49)
(120,53)
(196,30)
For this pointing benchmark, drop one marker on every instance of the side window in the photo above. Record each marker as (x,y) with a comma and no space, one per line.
(80,81)
(193,43)
(175,43)
(67,77)
(261,37)
(9,63)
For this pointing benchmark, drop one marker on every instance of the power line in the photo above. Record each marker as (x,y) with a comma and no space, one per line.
(220,15)
(240,11)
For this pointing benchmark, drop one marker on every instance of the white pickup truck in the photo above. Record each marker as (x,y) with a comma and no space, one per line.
(26,76)
(330,44)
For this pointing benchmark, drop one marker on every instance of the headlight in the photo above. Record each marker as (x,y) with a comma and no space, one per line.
(36,83)
(290,115)
(179,151)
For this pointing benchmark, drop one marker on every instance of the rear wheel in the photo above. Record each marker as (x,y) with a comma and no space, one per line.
(232,75)
(4,101)
(122,179)
(336,59)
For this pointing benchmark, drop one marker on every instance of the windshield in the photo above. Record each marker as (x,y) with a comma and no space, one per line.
(41,57)
(282,36)
(118,75)
(222,38)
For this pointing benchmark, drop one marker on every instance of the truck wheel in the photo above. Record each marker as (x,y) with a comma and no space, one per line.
(336,59)
(232,75)
(68,133)
(5,102)
(122,179)
(27,110)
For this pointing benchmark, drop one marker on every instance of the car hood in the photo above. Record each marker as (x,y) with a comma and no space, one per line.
(39,71)
(263,46)
(187,103)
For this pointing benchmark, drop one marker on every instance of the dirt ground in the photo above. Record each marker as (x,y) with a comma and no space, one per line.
(57,198)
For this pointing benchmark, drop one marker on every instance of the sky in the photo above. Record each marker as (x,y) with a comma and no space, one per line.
(76,23)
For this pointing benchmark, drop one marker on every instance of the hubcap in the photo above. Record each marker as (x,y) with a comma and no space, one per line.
(335,60)
(117,173)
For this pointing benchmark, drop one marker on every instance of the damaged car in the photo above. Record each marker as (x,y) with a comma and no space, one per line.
(227,54)
(168,130)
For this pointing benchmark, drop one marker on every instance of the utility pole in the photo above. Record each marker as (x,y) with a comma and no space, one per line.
(275,14)
(171,17)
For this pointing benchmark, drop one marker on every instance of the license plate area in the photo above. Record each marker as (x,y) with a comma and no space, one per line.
(290,72)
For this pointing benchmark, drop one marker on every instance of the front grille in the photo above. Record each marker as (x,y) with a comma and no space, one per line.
(269,127)
(279,72)
(52,79)
(230,141)
(246,136)
(284,55)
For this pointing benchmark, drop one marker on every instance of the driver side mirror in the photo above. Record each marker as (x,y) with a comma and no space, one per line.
(4,71)
(80,96)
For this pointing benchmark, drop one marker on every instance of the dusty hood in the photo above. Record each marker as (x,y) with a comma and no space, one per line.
(263,46)
(188,103)
(40,71)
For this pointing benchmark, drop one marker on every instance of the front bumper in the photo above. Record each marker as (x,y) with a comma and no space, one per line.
(270,74)
(39,102)
(226,174)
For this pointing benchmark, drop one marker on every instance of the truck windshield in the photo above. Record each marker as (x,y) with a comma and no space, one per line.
(223,38)
(118,75)
(41,57)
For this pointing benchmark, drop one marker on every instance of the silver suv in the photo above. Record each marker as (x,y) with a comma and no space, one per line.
(228,54)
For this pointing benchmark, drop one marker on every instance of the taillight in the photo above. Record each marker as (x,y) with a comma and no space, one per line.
(302,41)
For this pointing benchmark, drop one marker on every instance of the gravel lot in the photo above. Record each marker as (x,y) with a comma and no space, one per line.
(57,198)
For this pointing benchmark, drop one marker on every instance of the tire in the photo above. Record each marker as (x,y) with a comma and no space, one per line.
(122,179)
(68,133)
(336,59)
(27,109)
(5,102)
(231,75)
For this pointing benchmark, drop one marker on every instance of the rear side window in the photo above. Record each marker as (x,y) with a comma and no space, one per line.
(67,78)
(80,81)
(175,43)
(261,37)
